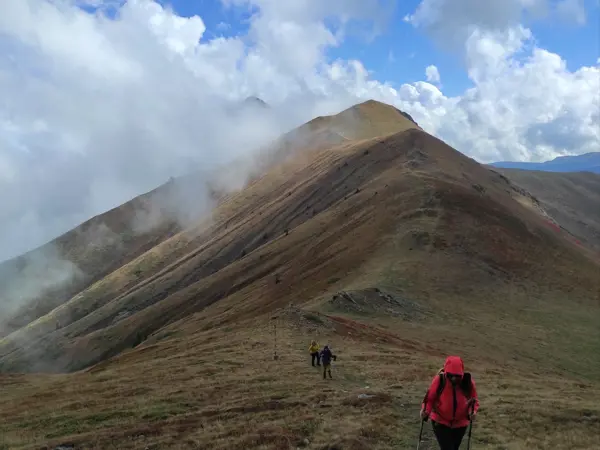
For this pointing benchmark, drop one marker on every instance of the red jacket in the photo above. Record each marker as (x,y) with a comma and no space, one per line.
(443,409)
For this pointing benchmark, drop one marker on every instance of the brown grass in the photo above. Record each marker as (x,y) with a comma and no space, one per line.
(569,198)
(222,389)
(466,268)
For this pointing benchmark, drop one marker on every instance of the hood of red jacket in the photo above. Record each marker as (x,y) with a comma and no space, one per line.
(454,364)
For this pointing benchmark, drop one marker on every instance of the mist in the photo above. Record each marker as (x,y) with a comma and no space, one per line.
(98,109)
(113,108)
(29,277)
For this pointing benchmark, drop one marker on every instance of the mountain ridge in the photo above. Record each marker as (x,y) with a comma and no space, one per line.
(569,198)
(366,233)
(143,296)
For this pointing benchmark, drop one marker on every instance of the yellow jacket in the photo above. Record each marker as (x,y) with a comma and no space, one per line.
(313,348)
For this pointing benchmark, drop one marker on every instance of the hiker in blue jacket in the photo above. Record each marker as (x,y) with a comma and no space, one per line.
(326,357)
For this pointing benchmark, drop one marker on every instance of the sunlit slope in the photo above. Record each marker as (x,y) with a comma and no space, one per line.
(362,121)
(43,279)
(365,120)
(405,211)
(396,250)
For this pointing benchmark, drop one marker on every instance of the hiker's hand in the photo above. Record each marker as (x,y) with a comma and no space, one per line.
(424,415)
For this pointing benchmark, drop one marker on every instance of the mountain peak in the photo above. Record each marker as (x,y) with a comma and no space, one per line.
(365,120)
(253,100)
(372,106)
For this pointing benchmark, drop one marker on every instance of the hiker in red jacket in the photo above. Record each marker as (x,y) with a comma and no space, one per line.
(451,402)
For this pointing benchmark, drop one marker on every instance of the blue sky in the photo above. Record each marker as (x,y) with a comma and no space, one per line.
(401,52)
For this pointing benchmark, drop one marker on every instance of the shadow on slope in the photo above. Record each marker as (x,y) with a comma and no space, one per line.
(404,210)
(571,199)
(35,283)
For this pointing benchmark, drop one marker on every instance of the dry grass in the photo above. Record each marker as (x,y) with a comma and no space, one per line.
(468,270)
(222,389)
(363,121)
(570,198)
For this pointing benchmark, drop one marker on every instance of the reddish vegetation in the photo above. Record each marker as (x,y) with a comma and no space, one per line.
(180,341)
(367,333)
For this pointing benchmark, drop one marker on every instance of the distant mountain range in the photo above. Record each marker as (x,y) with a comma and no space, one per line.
(588,162)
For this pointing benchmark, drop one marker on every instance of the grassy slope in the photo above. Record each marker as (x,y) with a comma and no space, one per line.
(96,248)
(222,389)
(105,243)
(467,269)
(303,188)
(571,198)
(362,121)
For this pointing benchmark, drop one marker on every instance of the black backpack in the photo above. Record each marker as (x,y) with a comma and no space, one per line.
(465,384)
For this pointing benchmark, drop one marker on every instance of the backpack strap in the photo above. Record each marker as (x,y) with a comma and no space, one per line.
(441,384)
(466,384)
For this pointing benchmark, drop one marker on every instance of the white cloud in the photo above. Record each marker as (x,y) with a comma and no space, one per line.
(572,11)
(432,74)
(223,26)
(490,53)
(525,104)
(51,28)
(96,110)
(453,21)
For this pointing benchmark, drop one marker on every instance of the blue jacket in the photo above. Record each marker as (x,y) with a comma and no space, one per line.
(326,355)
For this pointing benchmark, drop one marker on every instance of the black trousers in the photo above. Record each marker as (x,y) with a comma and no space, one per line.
(315,355)
(448,438)
(326,369)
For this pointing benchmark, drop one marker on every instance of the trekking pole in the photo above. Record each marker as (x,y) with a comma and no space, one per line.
(420,434)
(422,421)
(470,429)
(470,425)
